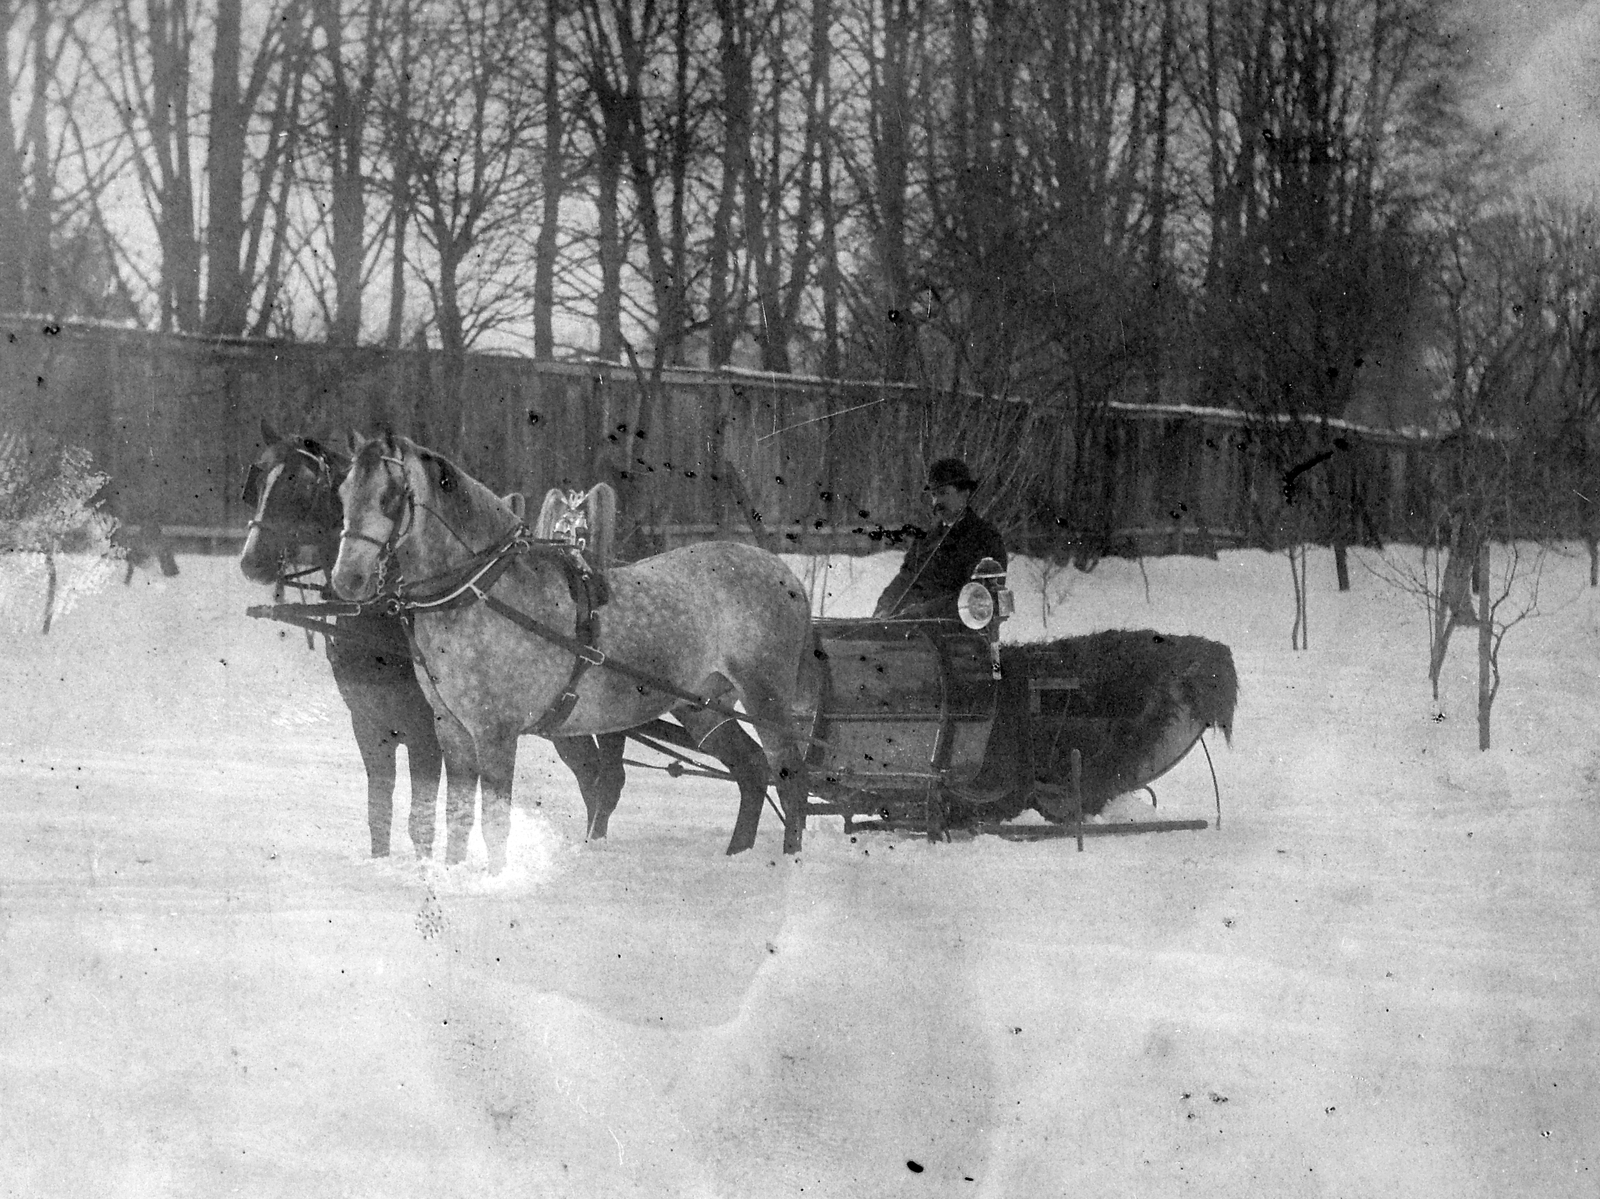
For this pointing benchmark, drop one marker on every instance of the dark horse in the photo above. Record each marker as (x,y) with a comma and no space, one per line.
(504,632)
(293,487)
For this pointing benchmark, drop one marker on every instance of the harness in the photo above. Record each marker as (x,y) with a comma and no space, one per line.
(474,581)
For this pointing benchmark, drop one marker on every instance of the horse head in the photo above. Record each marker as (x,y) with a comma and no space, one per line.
(379,506)
(291,486)
(405,502)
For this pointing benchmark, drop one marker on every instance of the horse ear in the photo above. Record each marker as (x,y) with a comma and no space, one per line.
(355,441)
(518,503)
(268,433)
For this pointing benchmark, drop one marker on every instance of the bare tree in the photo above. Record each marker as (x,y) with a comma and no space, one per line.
(469,140)
(349,99)
(226,296)
(149,82)
(638,63)
(553,183)
(12,236)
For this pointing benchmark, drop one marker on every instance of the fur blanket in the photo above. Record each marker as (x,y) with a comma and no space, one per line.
(1132,702)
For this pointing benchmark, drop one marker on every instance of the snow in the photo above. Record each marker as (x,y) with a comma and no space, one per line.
(1376,979)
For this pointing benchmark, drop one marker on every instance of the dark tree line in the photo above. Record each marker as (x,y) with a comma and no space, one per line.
(1273,205)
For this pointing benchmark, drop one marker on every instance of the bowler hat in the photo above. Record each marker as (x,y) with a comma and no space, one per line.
(950,472)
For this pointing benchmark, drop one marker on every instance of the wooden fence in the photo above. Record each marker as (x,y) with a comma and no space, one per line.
(800,463)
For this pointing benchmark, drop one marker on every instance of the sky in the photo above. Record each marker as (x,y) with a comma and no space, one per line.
(1541,82)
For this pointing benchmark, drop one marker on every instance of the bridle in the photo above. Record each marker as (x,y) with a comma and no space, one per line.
(324,477)
(325,498)
(399,525)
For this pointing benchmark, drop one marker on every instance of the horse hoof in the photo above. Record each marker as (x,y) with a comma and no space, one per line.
(380,851)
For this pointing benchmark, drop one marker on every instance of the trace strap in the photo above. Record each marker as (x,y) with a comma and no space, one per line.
(588,656)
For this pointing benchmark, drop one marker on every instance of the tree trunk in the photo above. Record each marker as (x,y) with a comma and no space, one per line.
(1456,586)
(552,181)
(347,126)
(225,298)
(831,366)
(734,50)
(170,44)
(272,277)
(608,187)
(892,152)
(12,237)
(763,209)
(1156,251)
(1485,654)
(400,186)
(41,195)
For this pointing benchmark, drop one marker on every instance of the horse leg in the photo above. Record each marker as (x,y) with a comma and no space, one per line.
(497,764)
(785,756)
(426,759)
(377,755)
(596,762)
(461,785)
(608,783)
(735,749)
(582,757)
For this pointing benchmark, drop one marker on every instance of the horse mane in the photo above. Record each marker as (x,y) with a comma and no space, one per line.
(465,498)
(338,463)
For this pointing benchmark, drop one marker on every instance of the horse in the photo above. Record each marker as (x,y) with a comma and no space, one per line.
(678,633)
(587,520)
(292,488)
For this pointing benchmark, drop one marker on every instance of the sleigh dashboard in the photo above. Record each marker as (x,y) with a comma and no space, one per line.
(907,705)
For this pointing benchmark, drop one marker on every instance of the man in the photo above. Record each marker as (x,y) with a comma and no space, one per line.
(940,562)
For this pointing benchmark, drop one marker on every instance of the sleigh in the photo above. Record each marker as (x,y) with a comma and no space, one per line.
(933,725)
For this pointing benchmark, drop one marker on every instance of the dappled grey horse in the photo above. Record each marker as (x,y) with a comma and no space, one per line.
(512,637)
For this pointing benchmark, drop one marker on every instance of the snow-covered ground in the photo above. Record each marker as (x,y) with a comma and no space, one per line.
(1378,978)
